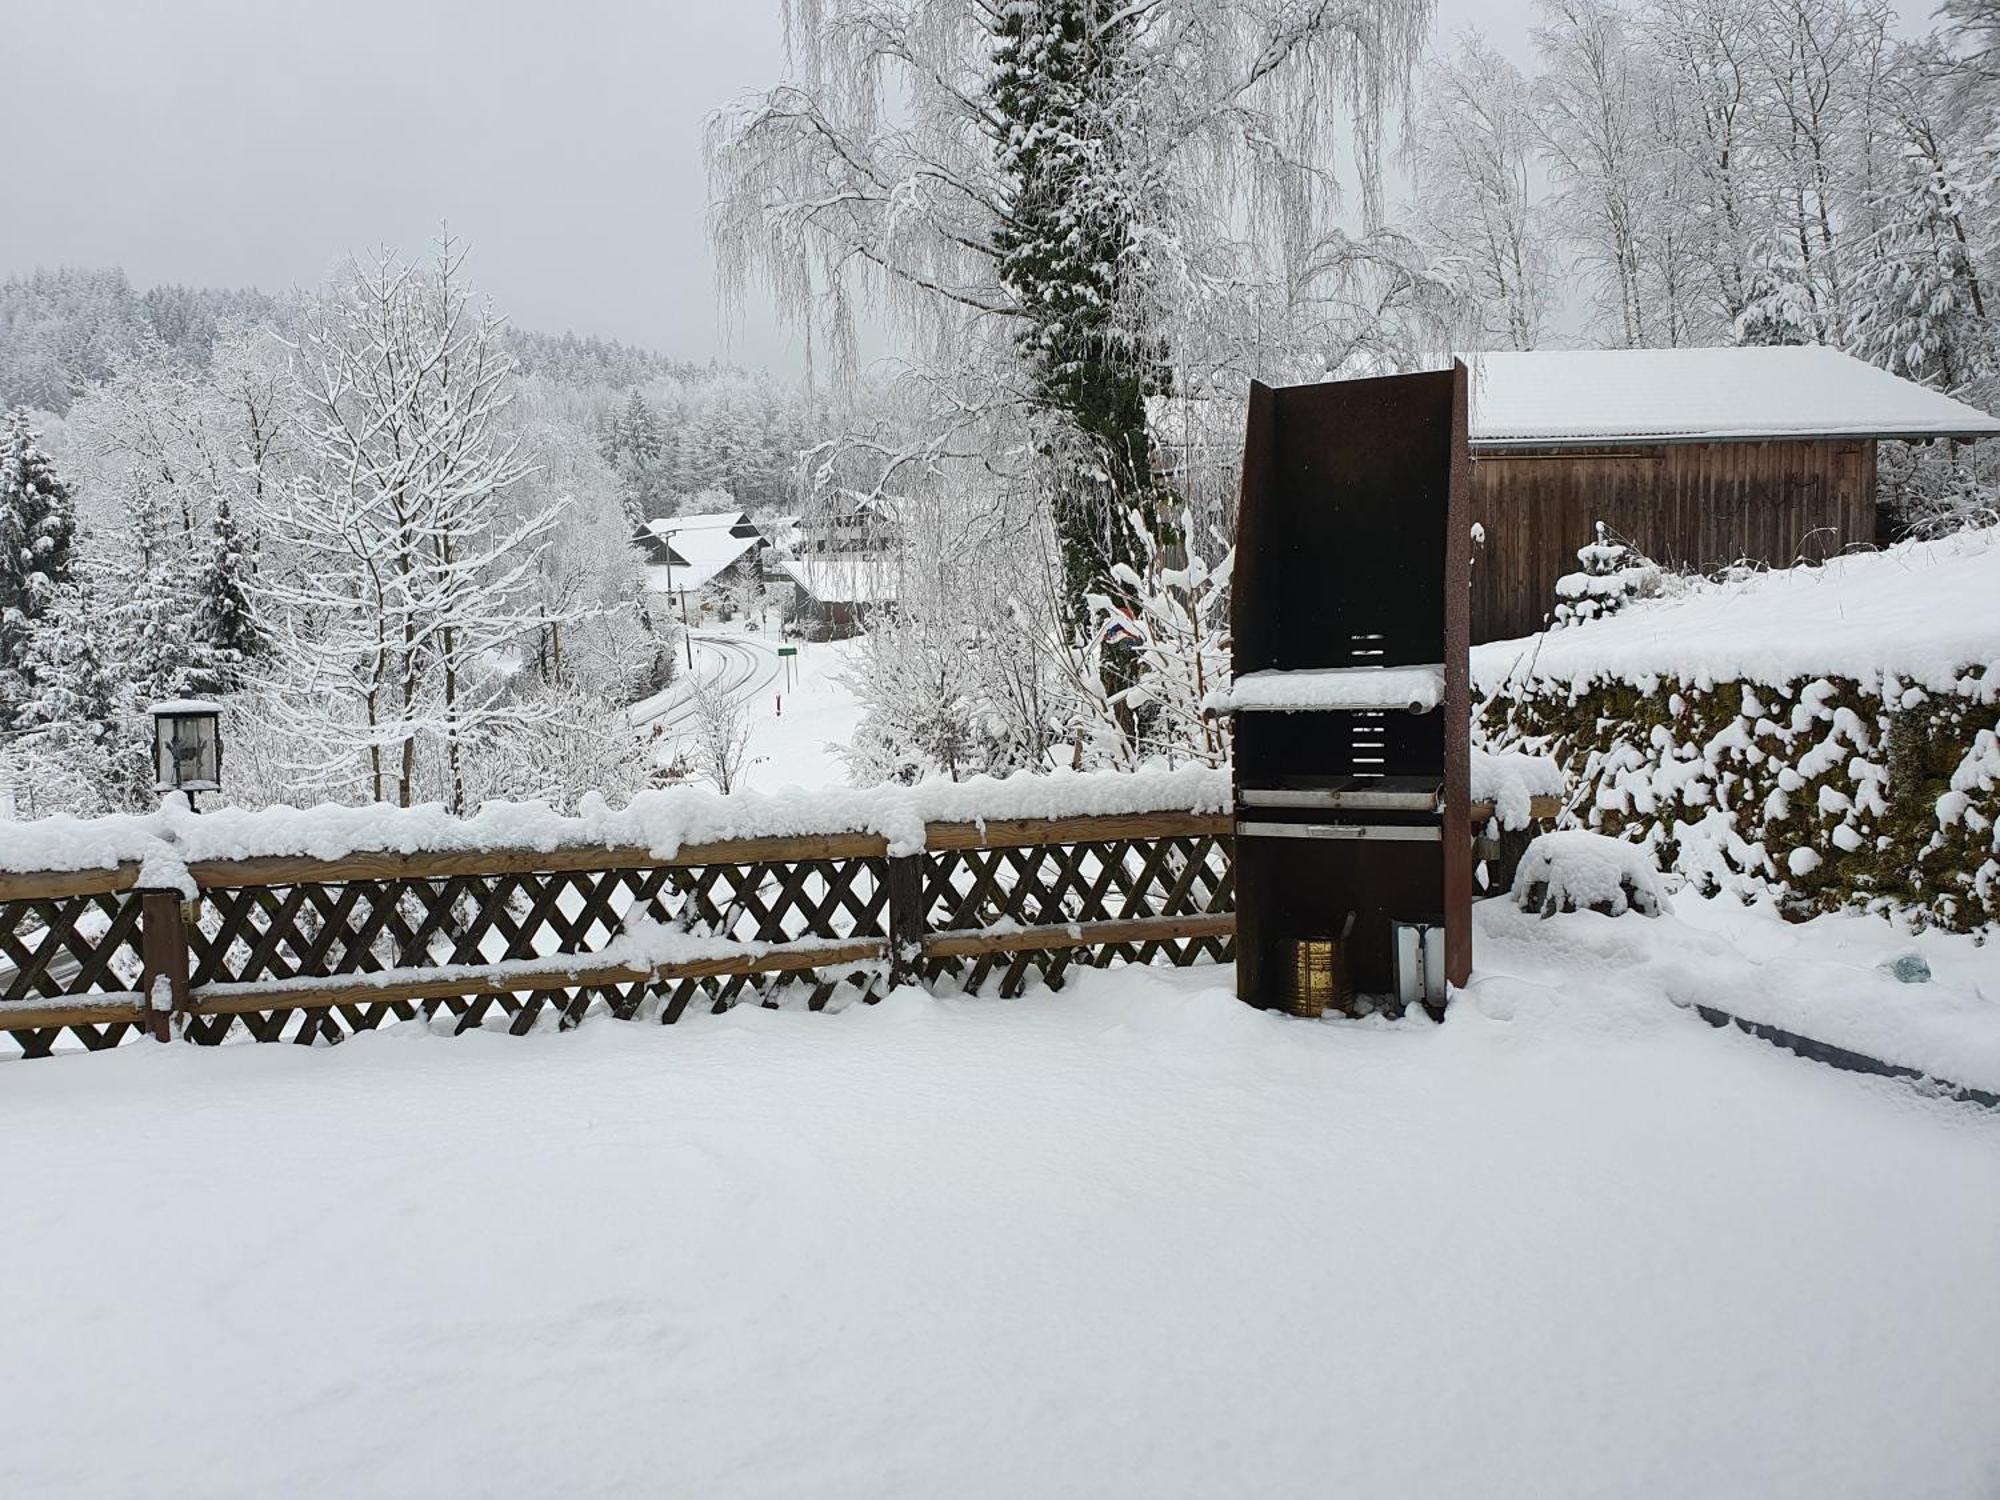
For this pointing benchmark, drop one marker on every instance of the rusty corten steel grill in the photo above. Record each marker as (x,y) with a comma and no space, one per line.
(1353,554)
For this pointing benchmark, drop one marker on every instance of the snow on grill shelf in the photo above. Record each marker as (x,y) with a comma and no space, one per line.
(1303,691)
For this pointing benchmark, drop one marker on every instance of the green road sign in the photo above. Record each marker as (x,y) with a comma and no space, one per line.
(788,651)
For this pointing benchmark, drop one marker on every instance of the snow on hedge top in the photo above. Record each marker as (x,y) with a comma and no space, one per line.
(660,822)
(1923,612)
(1420,688)
(1601,395)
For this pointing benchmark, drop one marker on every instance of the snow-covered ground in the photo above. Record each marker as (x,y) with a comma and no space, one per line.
(795,731)
(1130,1239)
(1922,612)
(797,717)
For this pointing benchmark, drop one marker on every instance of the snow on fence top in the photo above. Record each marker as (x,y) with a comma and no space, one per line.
(1558,396)
(1923,613)
(163,843)
(660,822)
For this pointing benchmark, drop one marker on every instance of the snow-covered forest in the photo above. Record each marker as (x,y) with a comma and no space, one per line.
(391,533)
(1082,227)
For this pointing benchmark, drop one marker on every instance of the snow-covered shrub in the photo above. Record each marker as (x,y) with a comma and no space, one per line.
(1159,649)
(1613,574)
(1927,489)
(1575,870)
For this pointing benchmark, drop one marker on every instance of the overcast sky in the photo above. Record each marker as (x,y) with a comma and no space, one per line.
(253,142)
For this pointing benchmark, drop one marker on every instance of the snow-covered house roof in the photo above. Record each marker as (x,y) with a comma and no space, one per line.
(695,557)
(844,577)
(720,520)
(1573,397)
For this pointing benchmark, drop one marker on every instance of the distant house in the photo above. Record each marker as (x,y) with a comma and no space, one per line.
(848,522)
(834,595)
(1697,457)
(685,554)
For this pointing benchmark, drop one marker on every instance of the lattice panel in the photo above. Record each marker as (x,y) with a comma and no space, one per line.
(69,946)
(1055,884)
(258,934)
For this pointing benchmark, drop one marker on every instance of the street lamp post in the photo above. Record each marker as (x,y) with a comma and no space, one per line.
(187,746)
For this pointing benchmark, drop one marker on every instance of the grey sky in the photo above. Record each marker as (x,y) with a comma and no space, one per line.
(252,142)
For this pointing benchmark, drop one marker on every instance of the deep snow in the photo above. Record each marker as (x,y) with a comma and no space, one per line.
(1924,613)
(1129,1239)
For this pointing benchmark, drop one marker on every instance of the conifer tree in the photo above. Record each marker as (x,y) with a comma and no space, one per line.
(226,635)
(37,532)
(152,606)
(1066,253)
(1921,309)
(74,700)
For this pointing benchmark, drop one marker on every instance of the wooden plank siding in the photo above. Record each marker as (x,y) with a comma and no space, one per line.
(1686,505)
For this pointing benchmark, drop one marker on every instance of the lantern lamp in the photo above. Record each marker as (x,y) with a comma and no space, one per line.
(187,746)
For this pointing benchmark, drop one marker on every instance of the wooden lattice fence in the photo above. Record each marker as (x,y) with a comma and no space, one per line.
(314,950)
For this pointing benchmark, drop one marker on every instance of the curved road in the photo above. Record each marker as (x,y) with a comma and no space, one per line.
(746,668)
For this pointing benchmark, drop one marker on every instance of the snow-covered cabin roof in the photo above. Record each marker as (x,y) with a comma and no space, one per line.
(1570,397)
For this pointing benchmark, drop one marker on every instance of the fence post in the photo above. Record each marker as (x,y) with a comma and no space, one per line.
(163,955)
(906,917)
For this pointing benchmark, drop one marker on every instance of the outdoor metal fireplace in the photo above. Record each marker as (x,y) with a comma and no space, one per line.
(1351,701)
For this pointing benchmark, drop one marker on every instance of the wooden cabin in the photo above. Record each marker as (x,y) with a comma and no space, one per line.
(1697,457)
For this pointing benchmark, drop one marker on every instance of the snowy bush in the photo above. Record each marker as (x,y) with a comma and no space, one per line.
(1613,574)
(1574,870)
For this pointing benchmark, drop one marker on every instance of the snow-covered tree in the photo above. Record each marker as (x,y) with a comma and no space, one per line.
(37,533)
(1591,99)
(1472,149)
(1612,573)
(224,632)
(1175,633)
(1071,205)
(409,581)
(975,668)
(720,736)
(1706,51)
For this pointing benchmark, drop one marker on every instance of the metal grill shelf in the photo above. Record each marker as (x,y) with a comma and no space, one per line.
(1420,794)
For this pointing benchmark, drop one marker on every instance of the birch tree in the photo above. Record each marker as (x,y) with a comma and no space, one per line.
(1473,157)
(409,579)
(1592,104)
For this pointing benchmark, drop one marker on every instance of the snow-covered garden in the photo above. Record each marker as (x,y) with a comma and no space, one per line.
(1129,1238)
(751,862)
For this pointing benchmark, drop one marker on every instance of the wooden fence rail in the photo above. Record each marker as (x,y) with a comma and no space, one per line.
(316,949)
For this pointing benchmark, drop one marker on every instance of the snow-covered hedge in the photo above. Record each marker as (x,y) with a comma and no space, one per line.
(1832,792)
(1826,733)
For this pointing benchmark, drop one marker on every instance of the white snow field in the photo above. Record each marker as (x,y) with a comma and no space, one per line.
(1129,1239)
